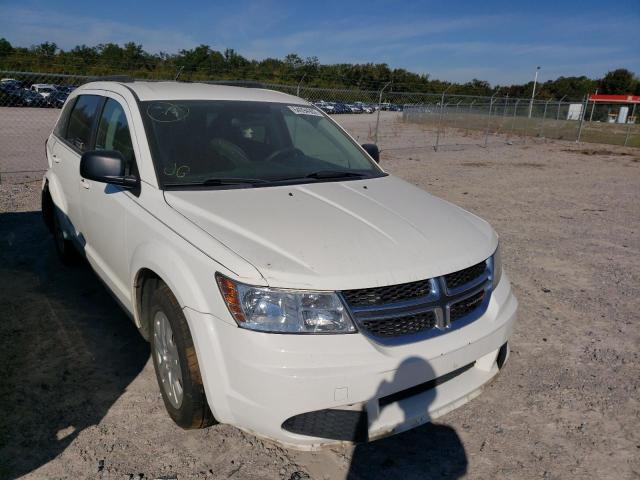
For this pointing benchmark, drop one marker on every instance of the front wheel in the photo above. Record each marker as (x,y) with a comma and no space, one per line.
(176,364)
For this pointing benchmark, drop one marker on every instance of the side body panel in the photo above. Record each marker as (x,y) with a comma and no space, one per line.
(105,213)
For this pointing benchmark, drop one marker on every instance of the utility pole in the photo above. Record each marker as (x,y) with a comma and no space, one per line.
(533,93)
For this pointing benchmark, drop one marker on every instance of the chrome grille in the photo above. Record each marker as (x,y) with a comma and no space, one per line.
(416,310)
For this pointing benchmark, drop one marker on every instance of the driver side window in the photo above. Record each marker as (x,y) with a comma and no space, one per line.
(113,133)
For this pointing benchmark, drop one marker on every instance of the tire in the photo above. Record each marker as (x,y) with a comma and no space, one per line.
(180,382)
(64,247)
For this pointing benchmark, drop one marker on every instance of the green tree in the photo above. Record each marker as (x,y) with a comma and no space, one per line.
(5,47)
(620,81)
(203,62)
(46,49)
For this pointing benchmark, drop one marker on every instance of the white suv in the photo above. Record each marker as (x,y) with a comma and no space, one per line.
(286,283)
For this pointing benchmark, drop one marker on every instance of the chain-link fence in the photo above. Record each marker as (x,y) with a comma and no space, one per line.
(29,104)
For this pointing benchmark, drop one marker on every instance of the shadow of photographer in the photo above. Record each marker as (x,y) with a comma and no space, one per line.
(431,451)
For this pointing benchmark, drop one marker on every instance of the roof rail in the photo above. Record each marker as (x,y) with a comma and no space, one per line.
(112,78)
(236,83)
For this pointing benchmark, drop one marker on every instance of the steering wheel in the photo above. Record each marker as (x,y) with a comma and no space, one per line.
(282,152)
(230,151)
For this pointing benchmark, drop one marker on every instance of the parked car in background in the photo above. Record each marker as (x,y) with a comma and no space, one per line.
(43,89)
(353,108)
(10,84)
(11,97)
(287,284)
(341,108)
(325,106)
(30,98)
(66,88)
(366,108)
(56,99)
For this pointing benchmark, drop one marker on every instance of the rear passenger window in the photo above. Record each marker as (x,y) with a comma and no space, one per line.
(81,121)
(63,121)
(113,133)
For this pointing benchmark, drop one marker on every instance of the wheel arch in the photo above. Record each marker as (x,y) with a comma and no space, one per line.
(51,185)
(153,263)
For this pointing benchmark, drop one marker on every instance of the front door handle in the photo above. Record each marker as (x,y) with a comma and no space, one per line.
(55,158)
(85,184)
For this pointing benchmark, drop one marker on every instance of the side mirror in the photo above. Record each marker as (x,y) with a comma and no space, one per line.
(106,166)
(373,151)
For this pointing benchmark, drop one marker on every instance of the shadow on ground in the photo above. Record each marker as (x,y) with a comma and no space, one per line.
(431,451)
(67,350)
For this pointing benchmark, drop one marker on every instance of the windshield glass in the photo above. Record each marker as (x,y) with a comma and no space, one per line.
(258,143)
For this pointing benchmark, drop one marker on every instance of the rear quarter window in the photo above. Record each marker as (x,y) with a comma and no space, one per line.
(81,120)
(63,120)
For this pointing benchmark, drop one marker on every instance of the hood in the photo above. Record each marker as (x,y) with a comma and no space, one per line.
(340,235)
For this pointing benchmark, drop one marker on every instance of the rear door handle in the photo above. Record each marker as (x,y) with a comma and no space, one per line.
(85,184)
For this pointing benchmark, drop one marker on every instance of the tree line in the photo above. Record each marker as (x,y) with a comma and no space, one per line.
(205,63)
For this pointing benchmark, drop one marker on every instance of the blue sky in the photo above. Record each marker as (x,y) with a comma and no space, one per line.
(498,41)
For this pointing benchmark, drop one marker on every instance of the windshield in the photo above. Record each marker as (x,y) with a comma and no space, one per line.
(203,142)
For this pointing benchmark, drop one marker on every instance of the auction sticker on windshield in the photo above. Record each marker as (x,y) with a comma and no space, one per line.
(304,111)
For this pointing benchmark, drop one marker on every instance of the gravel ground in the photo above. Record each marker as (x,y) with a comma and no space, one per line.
(78,392)
(22,135)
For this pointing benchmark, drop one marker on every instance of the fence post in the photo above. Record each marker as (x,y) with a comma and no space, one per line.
(515,111)
(300,83)
(486,132)
(506,105)
(593,107)
(633,114)
(559,102)
(584,114)
(471,105)
(435,147)
(544,116)
(379,106)
(455,120)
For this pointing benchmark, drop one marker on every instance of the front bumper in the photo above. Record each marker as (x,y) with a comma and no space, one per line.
(257,381)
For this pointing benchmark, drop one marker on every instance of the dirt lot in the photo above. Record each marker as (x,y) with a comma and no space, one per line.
(78,394)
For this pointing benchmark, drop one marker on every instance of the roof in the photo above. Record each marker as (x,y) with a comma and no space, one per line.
(614,98)
(196,91)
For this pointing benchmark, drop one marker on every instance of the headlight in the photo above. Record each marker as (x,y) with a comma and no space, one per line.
(496,267)
(284,311)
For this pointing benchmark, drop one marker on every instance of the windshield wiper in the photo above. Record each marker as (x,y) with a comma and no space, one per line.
(218,181)
(232,181)
(325,174)
(321,174)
